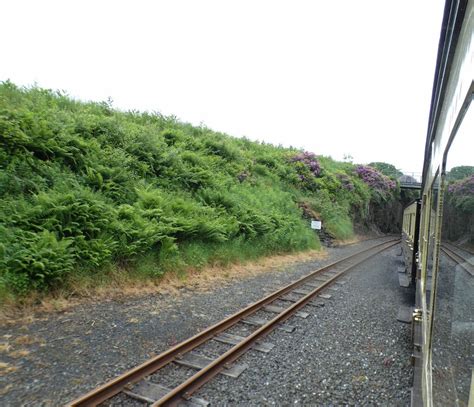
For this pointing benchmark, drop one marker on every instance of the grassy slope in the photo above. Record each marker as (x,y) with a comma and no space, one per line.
(85,188)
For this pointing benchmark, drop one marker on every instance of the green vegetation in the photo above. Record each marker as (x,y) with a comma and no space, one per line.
(460,172)
(85,189)
(458,217)
(387,169)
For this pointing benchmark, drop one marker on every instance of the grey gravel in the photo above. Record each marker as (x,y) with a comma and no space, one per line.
(72,352)
(352,351)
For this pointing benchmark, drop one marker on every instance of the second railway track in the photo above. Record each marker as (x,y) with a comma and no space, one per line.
(305,291)
(460,256)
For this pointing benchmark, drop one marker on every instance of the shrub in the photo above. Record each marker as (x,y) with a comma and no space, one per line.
(461,194)
(34,260)
(309,160)
(379,183)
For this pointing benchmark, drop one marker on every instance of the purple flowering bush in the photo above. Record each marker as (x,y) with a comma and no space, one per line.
(309,161)
(458,218)
(346,182)
(461,194)
(376,180)
(462,187)
(308,169)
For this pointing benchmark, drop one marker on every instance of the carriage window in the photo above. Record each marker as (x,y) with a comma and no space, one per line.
(453,323)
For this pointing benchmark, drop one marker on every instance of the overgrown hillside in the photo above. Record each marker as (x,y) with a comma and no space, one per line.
(85,189)
(458,216)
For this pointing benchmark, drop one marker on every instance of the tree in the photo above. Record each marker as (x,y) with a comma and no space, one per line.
(387,169)
(460,172)
(408,179)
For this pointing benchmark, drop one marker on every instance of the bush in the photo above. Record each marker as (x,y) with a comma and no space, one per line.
(34,260)
(380,184)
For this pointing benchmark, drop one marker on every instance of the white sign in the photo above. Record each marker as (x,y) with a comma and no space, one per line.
(316,224)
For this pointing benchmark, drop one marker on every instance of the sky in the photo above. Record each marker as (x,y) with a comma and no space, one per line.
(338,78)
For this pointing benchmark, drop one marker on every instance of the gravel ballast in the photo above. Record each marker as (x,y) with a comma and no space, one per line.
(352,350)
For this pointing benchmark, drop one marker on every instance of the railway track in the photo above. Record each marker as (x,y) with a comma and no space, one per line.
(461,256)
(305,291)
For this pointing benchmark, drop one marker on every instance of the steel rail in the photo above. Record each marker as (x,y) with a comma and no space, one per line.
(187,388)
(457,258)
(454,247)
(115,386)
(366,240)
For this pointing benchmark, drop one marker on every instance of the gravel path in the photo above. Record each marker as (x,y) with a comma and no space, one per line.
(58,357)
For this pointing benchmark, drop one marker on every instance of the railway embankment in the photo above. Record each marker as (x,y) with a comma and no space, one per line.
(91,195)
(351,350)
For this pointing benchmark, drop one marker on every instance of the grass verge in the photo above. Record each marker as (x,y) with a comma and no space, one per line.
(196,265)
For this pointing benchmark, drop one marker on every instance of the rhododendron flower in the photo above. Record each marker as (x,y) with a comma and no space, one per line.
(309,160)
(463,187)
(375,179)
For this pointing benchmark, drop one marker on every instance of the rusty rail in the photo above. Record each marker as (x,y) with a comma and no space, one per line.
(185,390)
(458,258)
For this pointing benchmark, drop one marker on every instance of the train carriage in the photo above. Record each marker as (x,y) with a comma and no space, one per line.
(410,236)
(442,263)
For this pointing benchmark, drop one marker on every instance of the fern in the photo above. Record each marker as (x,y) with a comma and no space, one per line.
(83,186)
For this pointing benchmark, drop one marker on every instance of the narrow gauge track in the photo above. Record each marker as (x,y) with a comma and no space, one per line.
(461,256)
(298,294)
